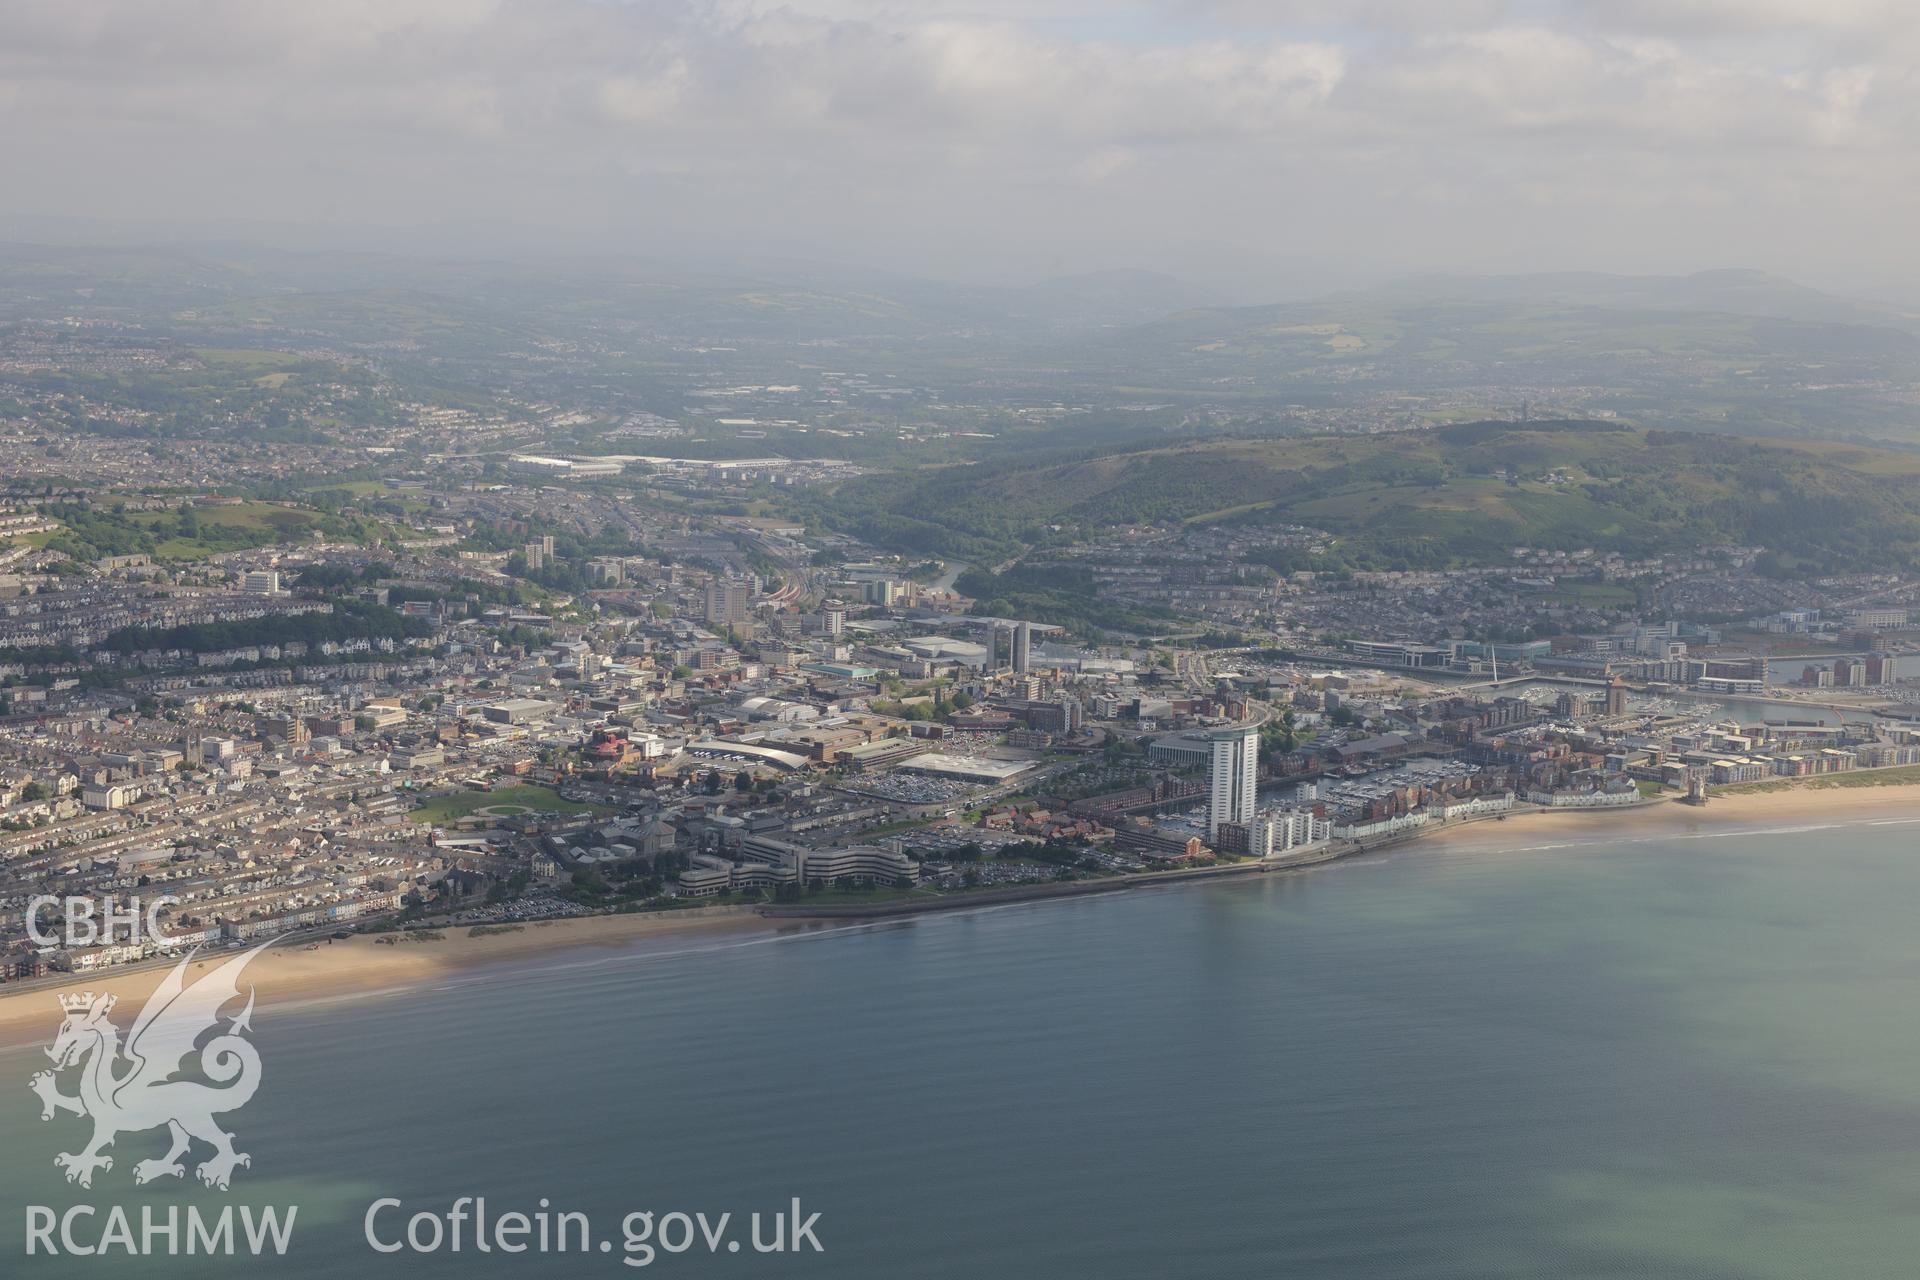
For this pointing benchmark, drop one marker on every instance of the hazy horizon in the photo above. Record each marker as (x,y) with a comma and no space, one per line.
(1265,151)
(443,247)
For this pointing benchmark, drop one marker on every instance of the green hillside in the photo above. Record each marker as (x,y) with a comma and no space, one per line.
(1453,495)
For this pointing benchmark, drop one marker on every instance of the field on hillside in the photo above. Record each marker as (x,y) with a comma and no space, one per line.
(1455,494)
(196,532)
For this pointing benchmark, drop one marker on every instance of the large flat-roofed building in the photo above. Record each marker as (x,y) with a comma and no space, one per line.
(527,464)
(747,752)
(517,710)
(881,751)
(966,768)
(1396,653)
(424,757)
(533,464)
(839,670)
(948,649)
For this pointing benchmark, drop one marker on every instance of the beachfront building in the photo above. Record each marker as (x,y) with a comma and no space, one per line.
(858,864)
(770,864)
(1233,770)
(1277,831)
(1361,829)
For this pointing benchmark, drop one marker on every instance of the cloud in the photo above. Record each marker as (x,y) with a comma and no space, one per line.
(975,130)
(1373,15)
(1722,19)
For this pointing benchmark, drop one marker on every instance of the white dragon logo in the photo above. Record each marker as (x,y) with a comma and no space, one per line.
(146,1094)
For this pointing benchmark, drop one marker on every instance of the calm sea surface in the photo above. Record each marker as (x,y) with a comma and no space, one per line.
(1678,1058)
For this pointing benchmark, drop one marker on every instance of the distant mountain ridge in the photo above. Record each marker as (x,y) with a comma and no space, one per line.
(1734,291)
(799,303)
(1738,351)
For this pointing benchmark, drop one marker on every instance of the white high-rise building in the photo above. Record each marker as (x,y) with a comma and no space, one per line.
(1023,646)
(1232,778)
(261,582)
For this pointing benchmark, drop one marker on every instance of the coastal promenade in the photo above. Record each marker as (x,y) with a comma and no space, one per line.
(1317,855)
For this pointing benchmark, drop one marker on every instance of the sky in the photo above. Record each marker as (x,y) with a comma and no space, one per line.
(1268,147)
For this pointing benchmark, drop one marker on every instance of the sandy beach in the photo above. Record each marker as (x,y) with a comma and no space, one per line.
(1753,811)
(359,966)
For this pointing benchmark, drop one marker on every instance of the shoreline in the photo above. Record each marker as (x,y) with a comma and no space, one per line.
(292,974)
